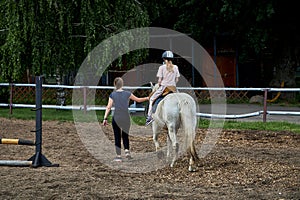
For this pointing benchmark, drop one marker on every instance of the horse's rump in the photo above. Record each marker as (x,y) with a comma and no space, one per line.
(178,110)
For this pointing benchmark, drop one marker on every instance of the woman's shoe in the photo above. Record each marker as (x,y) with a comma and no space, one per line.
(118,159)
(127,154)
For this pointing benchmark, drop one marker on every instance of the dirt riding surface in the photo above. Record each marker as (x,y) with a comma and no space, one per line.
(242,165)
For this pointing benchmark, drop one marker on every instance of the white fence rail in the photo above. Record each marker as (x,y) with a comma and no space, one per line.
(263,112)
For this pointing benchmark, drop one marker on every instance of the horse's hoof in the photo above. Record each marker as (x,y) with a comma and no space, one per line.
(191,169)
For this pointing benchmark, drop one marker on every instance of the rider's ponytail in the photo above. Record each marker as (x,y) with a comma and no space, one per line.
(170,66)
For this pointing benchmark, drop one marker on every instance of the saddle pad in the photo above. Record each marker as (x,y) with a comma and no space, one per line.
(167,90)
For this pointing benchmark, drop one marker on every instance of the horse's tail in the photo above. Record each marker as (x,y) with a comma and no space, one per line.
(189,124)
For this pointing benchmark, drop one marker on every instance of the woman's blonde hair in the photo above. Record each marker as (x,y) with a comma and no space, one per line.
(118,83)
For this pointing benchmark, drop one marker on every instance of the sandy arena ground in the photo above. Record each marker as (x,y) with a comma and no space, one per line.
(243,165)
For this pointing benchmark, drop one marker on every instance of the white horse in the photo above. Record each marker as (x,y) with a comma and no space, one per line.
(176,110)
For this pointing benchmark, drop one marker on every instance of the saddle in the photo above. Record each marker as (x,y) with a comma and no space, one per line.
(167,90)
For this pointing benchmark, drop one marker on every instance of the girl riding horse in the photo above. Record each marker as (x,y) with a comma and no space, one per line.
(168,75)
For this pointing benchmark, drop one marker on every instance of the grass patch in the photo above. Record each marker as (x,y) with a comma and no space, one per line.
(29,114)
(67,115)
(268,126)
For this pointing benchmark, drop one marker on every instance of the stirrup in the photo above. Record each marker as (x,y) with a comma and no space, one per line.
(149,121)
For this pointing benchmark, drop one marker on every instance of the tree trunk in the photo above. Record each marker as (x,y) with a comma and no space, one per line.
(286,62)
(284,72)
(60,93)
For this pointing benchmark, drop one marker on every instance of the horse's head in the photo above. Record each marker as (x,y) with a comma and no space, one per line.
(154,87)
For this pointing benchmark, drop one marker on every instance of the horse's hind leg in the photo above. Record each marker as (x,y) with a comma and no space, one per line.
(175,156)
(155,135)
(175,145)
(156,132)
(193,158)
(169,145)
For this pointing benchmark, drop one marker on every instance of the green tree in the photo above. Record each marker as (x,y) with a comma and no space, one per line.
(256,28)
(51,36)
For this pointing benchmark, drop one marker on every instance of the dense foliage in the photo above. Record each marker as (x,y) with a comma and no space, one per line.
(262,32)
(50,36)
(46,36)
